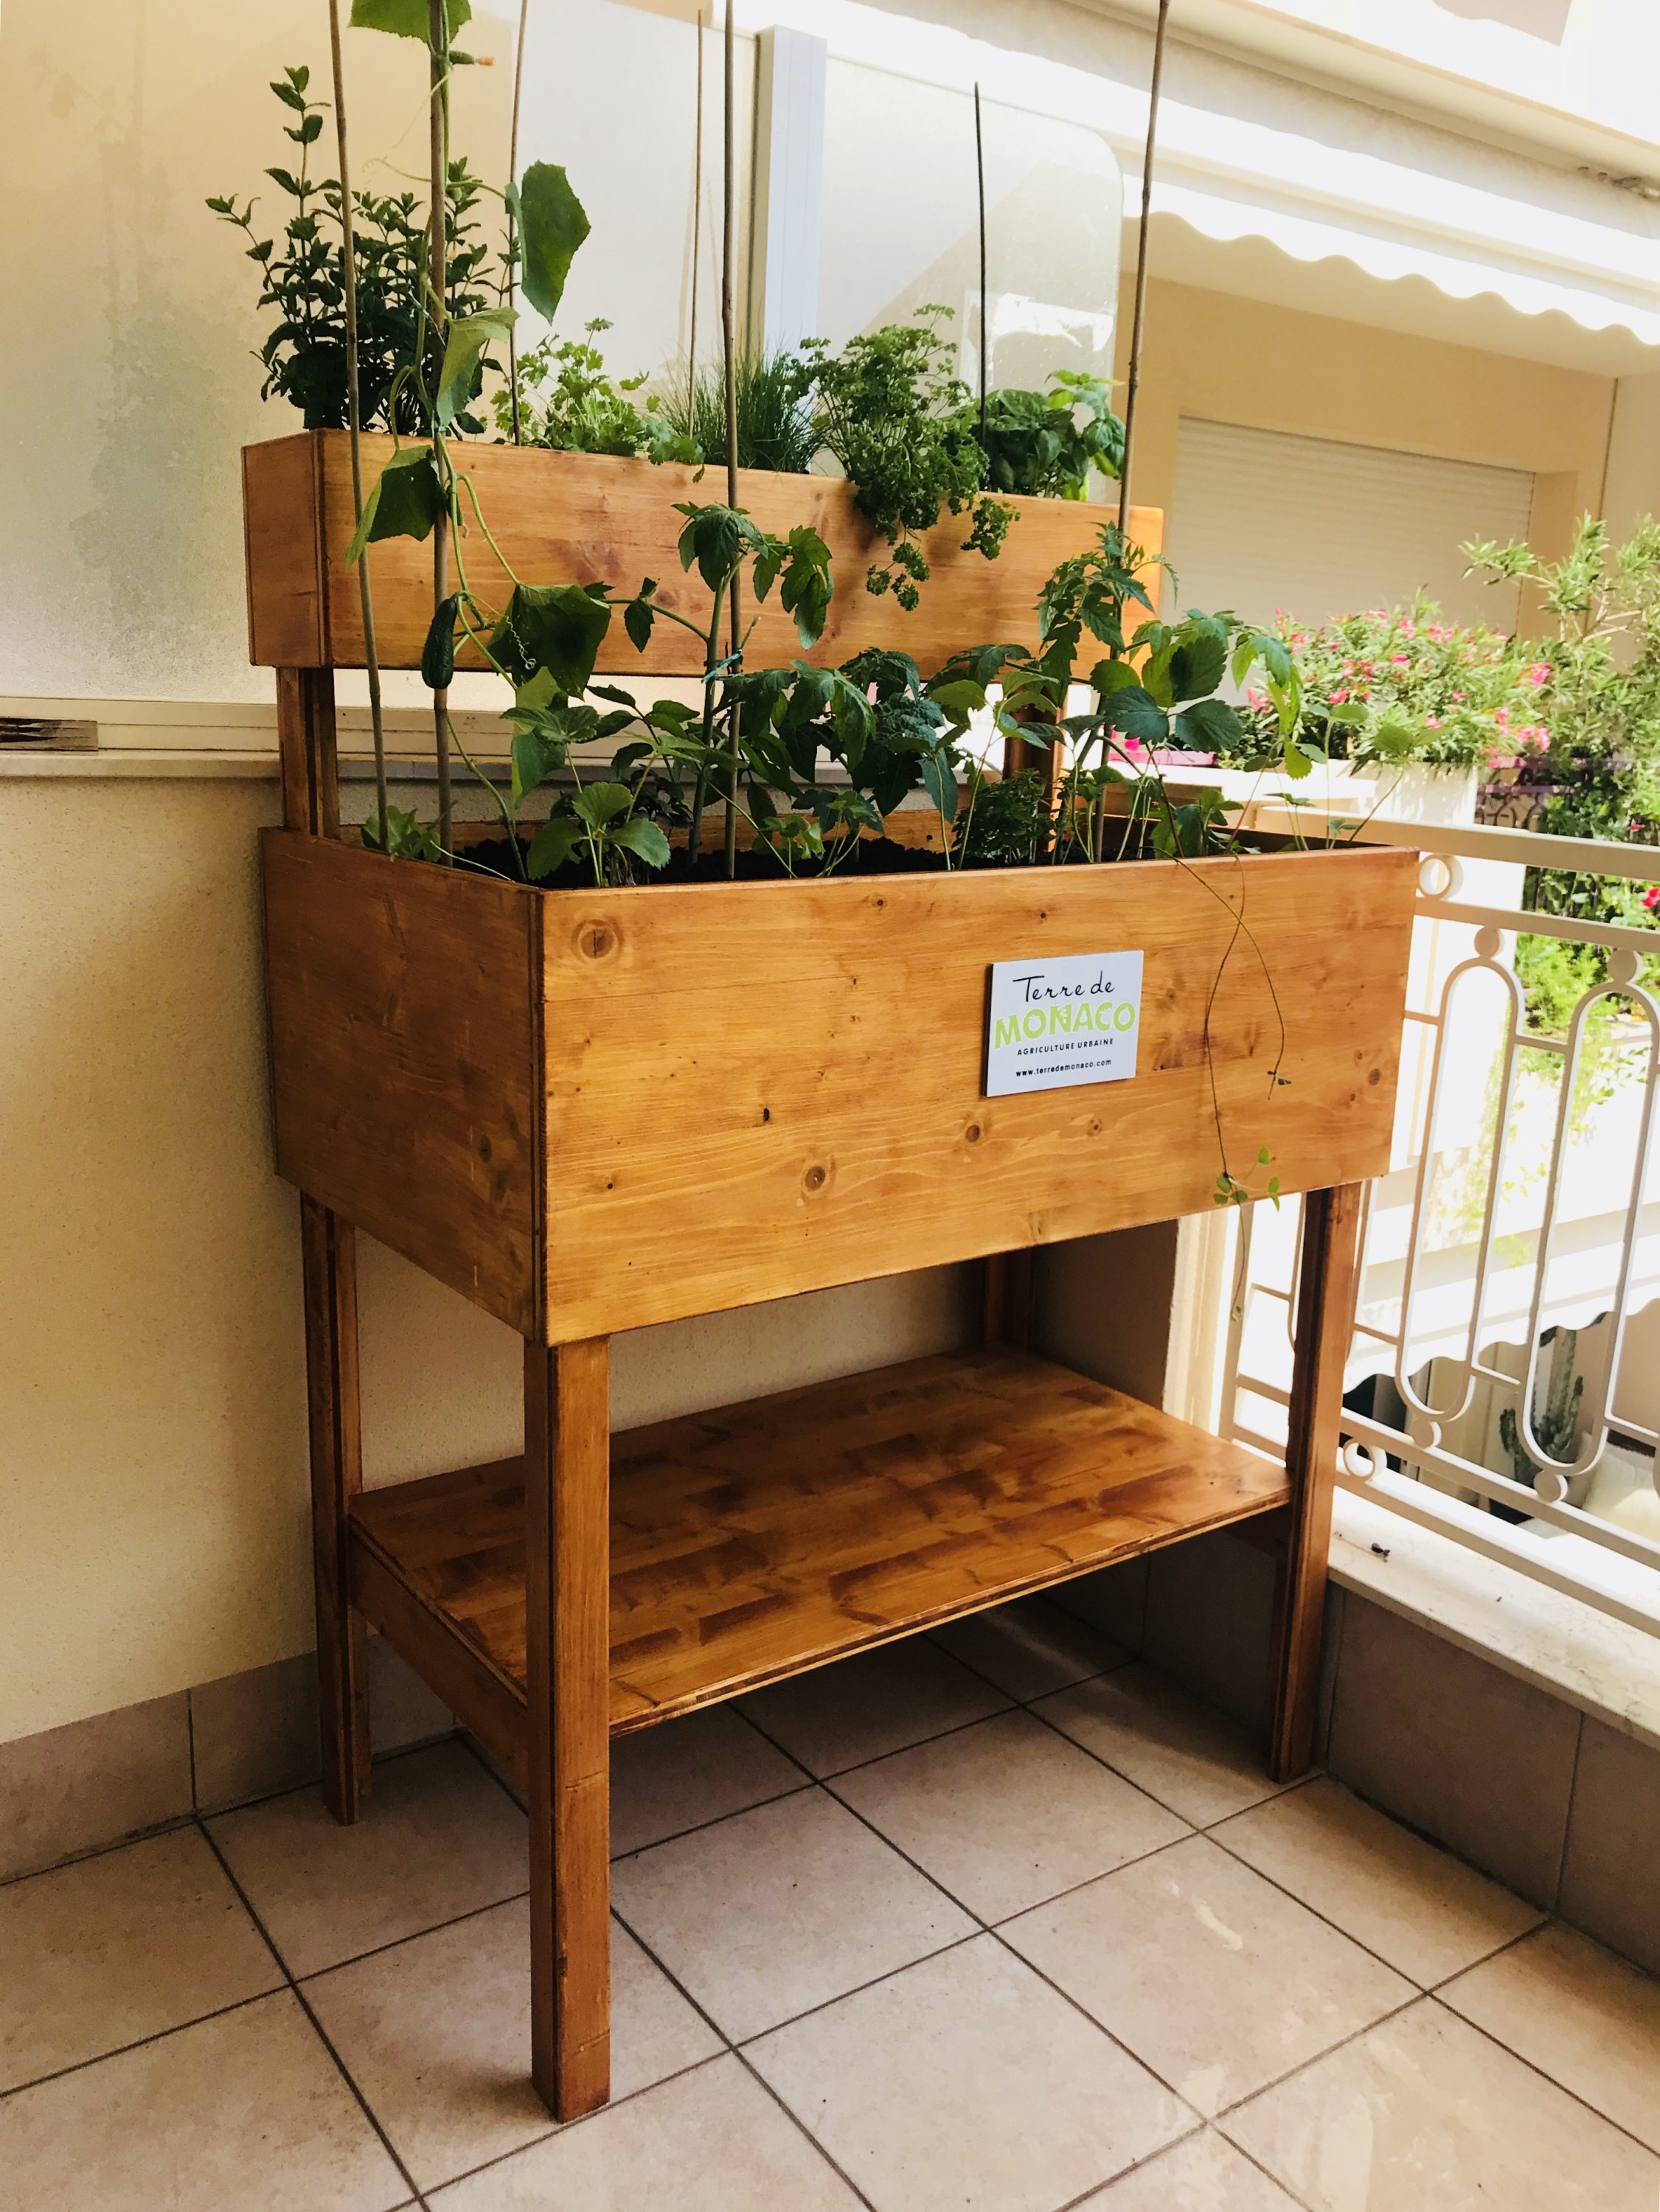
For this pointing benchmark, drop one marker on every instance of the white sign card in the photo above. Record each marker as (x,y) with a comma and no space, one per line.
(1053,1023)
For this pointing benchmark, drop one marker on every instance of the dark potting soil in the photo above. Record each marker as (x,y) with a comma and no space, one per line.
(875,856)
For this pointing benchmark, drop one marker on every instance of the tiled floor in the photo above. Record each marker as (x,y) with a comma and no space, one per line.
(996,1921)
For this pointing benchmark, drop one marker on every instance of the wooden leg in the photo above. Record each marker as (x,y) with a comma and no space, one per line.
(1325,1316)
(329,1250)
(1011,1282)
(567,1654)
(306,745)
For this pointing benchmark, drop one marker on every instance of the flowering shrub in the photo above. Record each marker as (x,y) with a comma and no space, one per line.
(1395,684)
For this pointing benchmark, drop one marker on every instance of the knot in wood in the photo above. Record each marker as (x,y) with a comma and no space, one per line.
(597,939)
(815,1178)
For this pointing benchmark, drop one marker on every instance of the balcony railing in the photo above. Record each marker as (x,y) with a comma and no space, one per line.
(1503,1386)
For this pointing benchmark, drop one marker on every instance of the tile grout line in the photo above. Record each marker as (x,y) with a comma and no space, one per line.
(415,2195)
(1418,1991)
(170,1827)
(1432,1996)
(557,2129)
(986,1928)
(141,2042)
(732,2050)
(1567,1817)
(1275,1794)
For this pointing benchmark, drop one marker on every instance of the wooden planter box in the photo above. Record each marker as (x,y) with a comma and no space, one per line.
(590,1111)
(585,518)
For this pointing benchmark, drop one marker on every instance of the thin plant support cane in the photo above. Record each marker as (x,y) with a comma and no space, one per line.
(729,364)
(354,422)
(513,221)
(980,181)
(696,227)
(439,38)
(1133,379)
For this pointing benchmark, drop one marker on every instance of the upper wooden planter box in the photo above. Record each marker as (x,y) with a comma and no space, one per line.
(590,1111)
(585,517)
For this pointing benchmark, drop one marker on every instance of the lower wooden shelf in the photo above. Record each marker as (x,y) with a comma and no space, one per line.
(756,1541)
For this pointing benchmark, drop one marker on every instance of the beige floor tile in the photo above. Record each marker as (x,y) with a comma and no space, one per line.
(712,2142)
(1217,1980)
(118,1948)
(78,1788)
(779,1909)
(1210,1621)
(875,1703)
(966,2080)
(682,1774)
(439,1839)
(1581,2016)
(1471,1755)
(243,2113)
(255,1733)
(1030,1647)
(1202,2174)
(1424,2114)
(1424,1911)
(1006,1813)
(1611,1869)
(1180,1752)
(436,2033)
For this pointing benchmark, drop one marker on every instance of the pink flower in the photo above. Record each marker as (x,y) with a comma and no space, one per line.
(1408,630)
(1500,714)
(1534,733)
(1651,897)
(1459,697)
(1400,660)
(1337,696)
(1539,673)
(1431,721)
(1256,697)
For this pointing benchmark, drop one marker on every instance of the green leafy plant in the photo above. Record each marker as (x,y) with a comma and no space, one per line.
(899,420)
(775,425)
(1045,444)
(567,400)
(301,281)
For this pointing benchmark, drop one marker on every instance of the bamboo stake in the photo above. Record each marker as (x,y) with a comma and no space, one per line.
(355,421)
(728,262)
(1135,379)
(513,227)
(980,177)
(696,235)
(439,40)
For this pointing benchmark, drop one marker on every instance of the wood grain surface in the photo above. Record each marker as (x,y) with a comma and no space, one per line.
(590,1111)
(750,1543)
(405,1065)
(567,1765)
(757,1089)
(585,518)
(1328,1284)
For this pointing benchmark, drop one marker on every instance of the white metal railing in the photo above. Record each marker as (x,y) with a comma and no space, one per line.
(1524,1197)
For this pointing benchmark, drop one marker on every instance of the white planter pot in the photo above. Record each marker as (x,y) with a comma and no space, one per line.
(1413,793)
